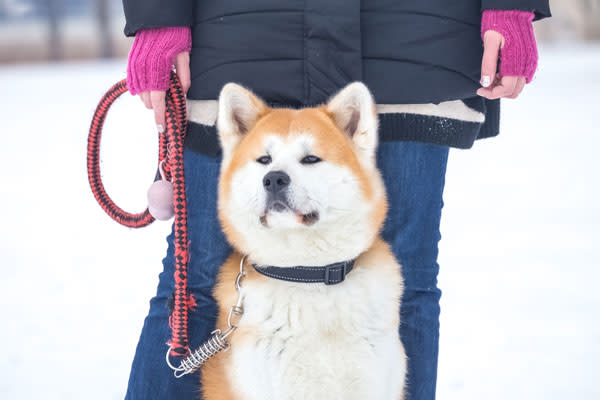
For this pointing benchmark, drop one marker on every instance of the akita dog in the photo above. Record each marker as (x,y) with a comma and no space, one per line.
(302,203)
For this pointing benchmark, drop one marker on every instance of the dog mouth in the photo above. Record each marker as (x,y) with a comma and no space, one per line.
(279,206)
(310,219)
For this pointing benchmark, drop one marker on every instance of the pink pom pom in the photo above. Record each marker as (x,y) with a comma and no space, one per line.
(160,200)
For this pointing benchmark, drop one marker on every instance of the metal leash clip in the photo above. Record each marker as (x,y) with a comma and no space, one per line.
(218,339)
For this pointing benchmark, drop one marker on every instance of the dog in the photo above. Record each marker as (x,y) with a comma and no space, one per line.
(299,190)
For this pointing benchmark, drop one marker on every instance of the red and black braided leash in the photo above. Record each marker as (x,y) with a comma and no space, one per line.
(171,151)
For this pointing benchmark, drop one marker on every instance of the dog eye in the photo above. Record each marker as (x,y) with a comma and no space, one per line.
(310,160)
(264,160)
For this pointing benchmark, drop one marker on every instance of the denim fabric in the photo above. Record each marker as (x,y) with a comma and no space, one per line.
(150,377)
(414,177)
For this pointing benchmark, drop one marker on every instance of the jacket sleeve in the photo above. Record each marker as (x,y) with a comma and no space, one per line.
(148,14)
(541,8)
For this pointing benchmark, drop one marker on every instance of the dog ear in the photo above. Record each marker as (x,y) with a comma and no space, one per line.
(353,110)
(239,109)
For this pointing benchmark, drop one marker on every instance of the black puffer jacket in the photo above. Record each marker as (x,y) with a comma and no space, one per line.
(299,52)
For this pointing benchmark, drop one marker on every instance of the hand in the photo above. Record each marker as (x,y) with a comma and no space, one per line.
(494,85)
(155,99)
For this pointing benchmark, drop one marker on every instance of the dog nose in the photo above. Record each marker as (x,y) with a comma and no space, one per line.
(276,181)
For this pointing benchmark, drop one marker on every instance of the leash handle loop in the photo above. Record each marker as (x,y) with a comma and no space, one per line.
(170,160)
(123,217)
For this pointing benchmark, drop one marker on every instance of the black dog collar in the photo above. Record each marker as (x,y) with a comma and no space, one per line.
(329,274)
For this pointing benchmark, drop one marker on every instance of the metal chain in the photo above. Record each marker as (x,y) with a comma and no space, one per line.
(218,339)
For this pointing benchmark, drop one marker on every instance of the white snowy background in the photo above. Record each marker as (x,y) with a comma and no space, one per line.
(519,269)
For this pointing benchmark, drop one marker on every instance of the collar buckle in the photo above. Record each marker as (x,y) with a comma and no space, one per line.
(335,273)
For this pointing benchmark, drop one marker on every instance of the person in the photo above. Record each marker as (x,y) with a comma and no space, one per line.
(433,70)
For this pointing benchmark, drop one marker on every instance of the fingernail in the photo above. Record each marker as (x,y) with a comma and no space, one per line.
(160,128)
(486,81)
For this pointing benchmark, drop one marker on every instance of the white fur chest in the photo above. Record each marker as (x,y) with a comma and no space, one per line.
(312,341)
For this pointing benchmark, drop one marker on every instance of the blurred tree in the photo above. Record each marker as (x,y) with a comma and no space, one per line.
(12,8)
(54,42)
(103,20)
(571,19)
(587,17)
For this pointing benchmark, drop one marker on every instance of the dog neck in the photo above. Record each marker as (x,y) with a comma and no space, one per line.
(311,248)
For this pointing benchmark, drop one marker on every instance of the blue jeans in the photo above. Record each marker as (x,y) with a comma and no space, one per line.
(414,177)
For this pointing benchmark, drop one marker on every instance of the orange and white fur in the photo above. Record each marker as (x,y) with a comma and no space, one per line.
(306,341)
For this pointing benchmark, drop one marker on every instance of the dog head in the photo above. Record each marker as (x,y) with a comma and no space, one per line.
(299,187)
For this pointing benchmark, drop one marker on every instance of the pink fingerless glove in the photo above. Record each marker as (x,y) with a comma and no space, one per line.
(151,57)
(519,56)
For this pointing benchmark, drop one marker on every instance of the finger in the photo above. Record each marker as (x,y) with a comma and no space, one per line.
(519,88)
(505,88)
(158,104)
(489,62)
(145,96)
(497,79)
(487,92)
(484,92)
(182,67)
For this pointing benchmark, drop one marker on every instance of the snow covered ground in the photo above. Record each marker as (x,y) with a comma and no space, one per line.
(520,309)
